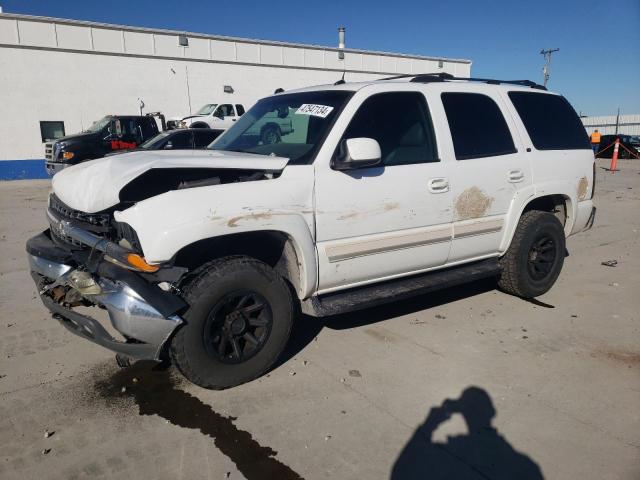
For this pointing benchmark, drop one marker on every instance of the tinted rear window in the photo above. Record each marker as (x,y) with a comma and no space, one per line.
(478,128)
(550,120)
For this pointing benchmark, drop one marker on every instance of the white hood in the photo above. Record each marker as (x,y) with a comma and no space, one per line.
(94,186)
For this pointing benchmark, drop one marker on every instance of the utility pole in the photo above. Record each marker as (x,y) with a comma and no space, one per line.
(546,70)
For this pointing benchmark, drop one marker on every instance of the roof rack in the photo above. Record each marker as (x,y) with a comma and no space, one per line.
(445,77)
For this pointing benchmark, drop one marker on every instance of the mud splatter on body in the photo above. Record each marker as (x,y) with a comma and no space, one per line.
(472,203)
(155,392)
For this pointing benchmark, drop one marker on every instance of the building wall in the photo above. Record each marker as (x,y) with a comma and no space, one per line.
(77,72)
(627,124)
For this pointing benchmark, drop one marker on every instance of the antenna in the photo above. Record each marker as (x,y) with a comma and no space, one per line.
(546,70)
(341,54)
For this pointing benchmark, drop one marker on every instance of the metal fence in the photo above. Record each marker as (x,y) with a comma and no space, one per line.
(612,124)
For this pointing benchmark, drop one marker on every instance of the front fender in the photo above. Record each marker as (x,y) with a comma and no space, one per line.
(171,221)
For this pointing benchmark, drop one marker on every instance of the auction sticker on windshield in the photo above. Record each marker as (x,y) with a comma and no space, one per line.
(316,110)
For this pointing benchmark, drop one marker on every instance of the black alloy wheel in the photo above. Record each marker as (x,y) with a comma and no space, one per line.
(542,257)
(238,327)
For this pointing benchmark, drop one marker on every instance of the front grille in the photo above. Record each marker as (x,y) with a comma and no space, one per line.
(98,223)
(48,151)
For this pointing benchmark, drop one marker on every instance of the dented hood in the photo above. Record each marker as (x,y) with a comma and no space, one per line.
(95,186)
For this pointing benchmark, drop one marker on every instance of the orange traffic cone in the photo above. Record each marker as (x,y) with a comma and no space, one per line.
(614,158)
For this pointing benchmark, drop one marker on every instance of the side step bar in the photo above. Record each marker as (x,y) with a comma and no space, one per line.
(385,292)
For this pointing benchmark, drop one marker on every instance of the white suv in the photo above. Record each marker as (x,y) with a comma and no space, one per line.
(382,190)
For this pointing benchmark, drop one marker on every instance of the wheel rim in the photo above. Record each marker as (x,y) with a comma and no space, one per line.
(238,327)
(270,137)
(541,257)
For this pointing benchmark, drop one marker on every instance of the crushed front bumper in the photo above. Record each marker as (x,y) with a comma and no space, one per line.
(144,314)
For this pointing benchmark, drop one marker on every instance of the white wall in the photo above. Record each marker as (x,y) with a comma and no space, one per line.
(77,72)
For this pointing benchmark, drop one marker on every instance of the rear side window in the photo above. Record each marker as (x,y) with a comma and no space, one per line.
(239,109)
(401,124)
(204,136)
(550,120)
(477,126)
(181,140)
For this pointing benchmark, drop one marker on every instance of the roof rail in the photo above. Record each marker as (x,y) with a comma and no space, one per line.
(445,77)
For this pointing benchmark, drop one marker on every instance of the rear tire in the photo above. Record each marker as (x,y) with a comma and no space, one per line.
(535,257)
(238,322)
(199,125)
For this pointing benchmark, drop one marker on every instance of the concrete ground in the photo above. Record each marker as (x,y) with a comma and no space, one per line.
(550,388)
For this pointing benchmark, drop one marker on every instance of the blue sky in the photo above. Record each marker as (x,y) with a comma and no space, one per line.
(597,68)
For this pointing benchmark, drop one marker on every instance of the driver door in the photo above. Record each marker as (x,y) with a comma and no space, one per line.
(392,219)
(224,116)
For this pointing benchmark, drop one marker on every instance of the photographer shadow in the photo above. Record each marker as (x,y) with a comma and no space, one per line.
(482,453)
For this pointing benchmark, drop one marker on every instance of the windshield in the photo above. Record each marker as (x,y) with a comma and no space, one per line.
(207,109)
(99,125)
(154,142)
(291,126)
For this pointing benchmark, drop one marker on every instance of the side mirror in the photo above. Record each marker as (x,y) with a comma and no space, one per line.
(357,153)
(168,145)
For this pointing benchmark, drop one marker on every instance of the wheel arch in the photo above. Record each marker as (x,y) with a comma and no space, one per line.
(199,125)
(560,204)
(269,125)
(276,248)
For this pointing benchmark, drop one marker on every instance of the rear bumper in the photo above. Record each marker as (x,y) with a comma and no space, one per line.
(145,318)
(585,218)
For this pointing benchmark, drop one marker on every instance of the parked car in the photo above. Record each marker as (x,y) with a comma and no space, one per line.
(183,139)
(110,133)
(203,258)
(629,146)
(211,115)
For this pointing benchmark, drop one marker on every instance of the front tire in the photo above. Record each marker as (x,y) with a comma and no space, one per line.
(238,322)
(535,257)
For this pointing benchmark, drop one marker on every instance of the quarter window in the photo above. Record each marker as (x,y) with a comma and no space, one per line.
(401,124)
(551,122)
(478,128)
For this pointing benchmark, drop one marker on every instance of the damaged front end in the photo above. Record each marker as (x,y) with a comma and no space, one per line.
(79,262)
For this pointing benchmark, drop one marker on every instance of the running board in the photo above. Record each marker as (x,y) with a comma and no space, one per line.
(392,290)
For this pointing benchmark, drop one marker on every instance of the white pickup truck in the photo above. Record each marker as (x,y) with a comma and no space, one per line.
(203,258)
(212,115)
(270,129)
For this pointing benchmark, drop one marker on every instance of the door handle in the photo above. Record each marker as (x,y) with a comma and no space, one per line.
(516,176)
(233,119)
(438,185)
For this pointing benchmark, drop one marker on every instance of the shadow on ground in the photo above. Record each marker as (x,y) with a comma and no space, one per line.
(307,328)
(481,453)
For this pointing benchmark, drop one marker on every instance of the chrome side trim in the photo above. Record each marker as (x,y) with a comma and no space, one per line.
(344,251)
(462,230)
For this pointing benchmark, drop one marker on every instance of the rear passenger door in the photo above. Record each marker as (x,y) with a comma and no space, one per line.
(488,170)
